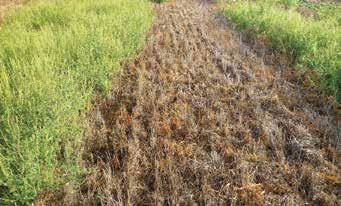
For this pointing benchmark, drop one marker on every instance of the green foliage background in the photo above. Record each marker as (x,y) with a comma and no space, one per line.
(54,56)
(313,43)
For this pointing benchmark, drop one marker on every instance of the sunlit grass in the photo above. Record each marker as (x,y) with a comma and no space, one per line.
(312,43)
(54,56)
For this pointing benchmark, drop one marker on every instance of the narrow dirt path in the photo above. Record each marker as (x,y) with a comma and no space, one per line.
(198,119)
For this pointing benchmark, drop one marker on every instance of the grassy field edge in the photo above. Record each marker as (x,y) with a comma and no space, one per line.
(54,56)
(311,43)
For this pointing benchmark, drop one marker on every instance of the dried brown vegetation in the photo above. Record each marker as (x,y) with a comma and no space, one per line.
(199,119)
(6,5)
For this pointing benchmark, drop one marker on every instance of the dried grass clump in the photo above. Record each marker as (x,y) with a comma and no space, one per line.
(252,195)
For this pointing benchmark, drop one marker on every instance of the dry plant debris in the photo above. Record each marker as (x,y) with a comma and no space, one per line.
(6,5)
(199,119)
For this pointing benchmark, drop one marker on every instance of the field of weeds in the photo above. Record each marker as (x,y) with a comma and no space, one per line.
(197,117)
(54,56)
(307,31)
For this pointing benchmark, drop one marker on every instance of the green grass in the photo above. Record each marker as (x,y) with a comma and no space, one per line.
(312,43)
(54,56)
(159,1)
(287,3)
(324,11)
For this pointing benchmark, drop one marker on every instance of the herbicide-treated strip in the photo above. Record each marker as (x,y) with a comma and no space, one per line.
(198,120)
(54,55)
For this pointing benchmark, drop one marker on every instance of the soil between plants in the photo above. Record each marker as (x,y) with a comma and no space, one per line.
(6,6)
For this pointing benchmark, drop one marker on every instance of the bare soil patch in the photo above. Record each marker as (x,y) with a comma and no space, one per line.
(6,6)
(198,119)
